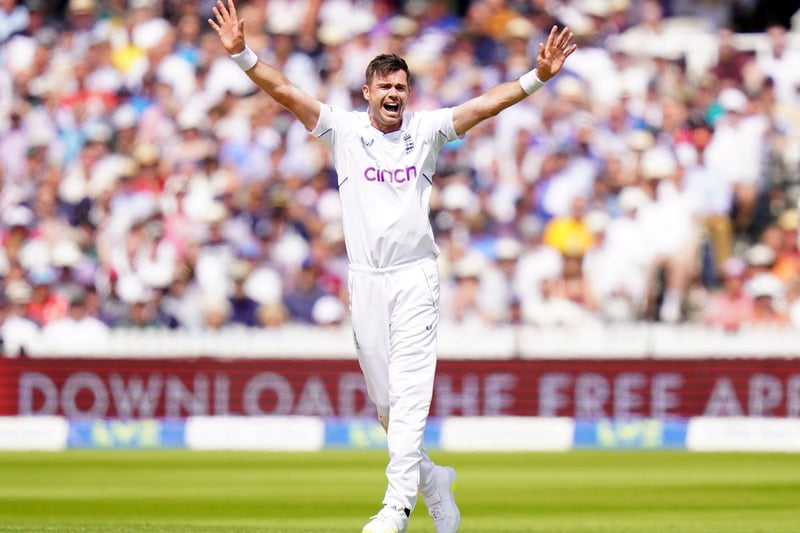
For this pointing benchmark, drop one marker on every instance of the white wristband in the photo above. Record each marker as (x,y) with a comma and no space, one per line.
(530,82)
(246,59)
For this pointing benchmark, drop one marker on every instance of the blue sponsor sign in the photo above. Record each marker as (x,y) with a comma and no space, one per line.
(630,434)
(115,433)
(367,433)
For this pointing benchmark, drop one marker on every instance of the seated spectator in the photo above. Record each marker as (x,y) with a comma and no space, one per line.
(328,312)
(781,63)
(17,331)
(496,294)
(216,311)
(575,286)
(243,309)
(618,266)
(781,238)
(463,306)
(14,19)
(554,309)
(738,131)
(768,296)
(760,259)
(729,307)
(568,233)
(271,315)
(537,262)
(300,300)
(45,304)
(182,300)
(75,333)
(669,231)
(731,62)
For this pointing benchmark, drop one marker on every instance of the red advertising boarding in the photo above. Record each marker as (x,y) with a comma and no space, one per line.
(586,389)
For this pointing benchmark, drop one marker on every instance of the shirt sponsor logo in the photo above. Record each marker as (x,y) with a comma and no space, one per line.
(399,175)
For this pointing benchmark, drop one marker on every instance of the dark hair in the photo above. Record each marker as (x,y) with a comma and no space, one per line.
(386,64)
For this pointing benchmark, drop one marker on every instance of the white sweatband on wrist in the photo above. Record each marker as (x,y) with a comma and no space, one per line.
(530,82)
(246,59)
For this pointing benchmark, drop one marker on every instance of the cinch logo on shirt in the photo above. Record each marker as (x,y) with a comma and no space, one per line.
(400,175)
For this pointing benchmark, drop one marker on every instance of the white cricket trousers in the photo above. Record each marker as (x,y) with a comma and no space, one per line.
(395,318)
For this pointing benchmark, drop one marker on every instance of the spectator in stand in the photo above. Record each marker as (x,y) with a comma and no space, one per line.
(668,230)
(781,64)
(568,233)
(216,310)
(554,309)
(300,299)
(76,332)
(760,259)
(19,227)
(496,295)
(738,132)
(462,305)
(14,18)
(710,195)
(575,286)
(45,305)
(328,312)
(626,255)
(767,289)
(17,331)
(538,261)
(768,295)
(182,300)
(731,63)
(243,308)
(781,238)
(729,307)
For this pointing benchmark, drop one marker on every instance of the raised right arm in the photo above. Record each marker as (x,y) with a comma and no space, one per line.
(272,81)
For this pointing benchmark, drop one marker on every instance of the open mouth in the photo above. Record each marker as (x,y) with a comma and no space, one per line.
(391,108)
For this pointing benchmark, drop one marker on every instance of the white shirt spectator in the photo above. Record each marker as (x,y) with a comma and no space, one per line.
(533,266)
(623,258)
(496,293)
(707,192)
(615,277)
(595,66)
(553,310)
(75,334)
(13,20)
(667,223)
(576,179)
(154,262)
(18,333)
(740,135)
(782,65)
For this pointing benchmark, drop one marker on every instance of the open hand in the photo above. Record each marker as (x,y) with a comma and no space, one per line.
(553,54)
(228,27)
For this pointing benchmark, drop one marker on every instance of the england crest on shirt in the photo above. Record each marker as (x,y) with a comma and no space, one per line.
(409,142)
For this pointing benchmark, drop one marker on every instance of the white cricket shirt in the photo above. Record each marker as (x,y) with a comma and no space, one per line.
(385,182)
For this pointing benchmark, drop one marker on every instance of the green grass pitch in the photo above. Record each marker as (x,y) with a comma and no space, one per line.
(337,491)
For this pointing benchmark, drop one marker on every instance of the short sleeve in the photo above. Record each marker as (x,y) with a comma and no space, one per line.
(324,130)
(440,123)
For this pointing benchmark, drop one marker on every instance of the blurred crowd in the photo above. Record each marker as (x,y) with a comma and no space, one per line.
(146,183)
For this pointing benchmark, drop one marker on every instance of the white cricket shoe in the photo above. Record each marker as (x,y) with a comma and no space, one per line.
(442,502)
(388,520)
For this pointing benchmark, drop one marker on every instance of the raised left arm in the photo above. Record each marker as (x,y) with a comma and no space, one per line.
(549,61)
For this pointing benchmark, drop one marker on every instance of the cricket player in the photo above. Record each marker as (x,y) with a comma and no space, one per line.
(385,161)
